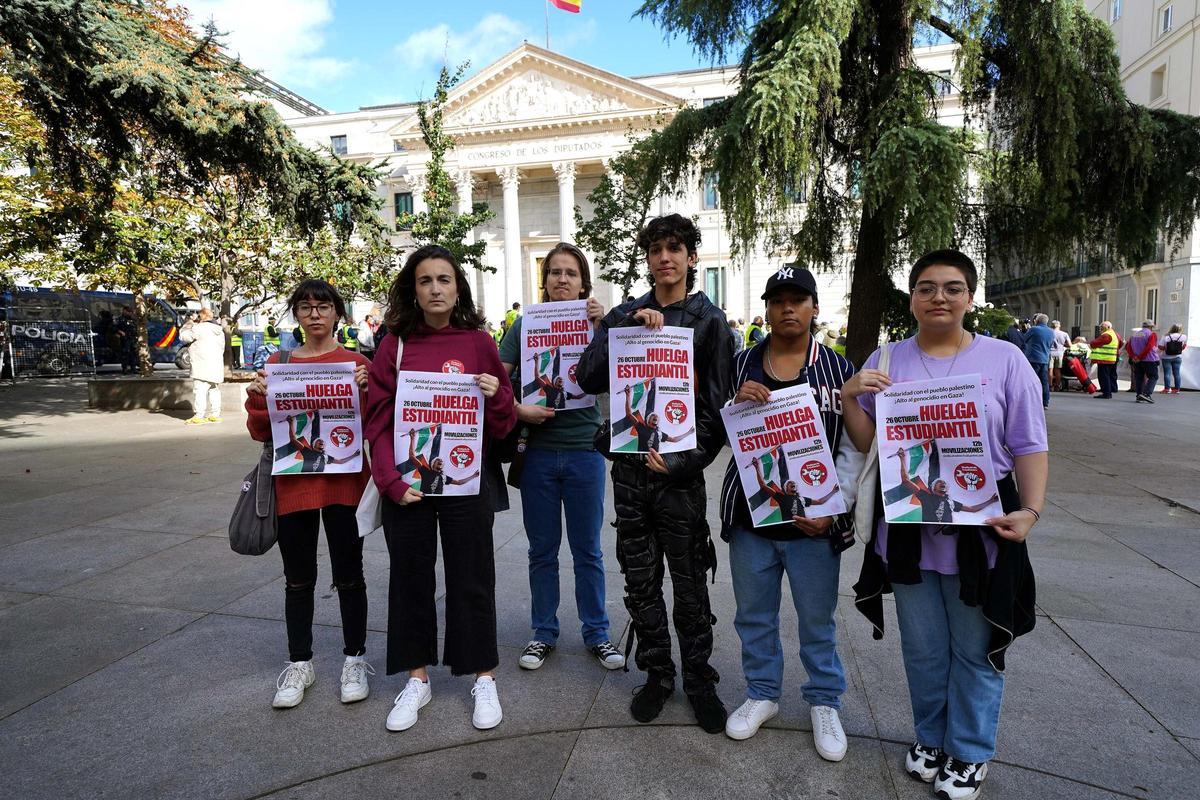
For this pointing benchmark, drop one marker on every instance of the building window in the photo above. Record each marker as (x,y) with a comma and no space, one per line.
(1114,11)
(797,194)
(397,147)
(403,204)
(1057,310)
(1152,304)
(1166,19)
(942,82)
(1077,315)
(1102,306)
(714,285)
(1158,82)
(709,199)
(338,145)
(708,101)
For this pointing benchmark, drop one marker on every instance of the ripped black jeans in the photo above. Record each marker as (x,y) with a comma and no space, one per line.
(661,527)
(298,533)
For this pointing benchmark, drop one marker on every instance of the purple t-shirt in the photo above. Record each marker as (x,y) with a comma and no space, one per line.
(1016,422)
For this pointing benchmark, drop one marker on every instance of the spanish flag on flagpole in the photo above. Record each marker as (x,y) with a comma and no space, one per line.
(567,5)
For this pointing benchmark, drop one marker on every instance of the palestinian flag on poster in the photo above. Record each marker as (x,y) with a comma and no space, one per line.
(923,469)
(567,5)
(307,427)
(642,390)
(548,362)
(408,467)
(775,470)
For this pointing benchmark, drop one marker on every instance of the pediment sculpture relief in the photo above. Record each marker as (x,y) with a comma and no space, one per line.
(532,96)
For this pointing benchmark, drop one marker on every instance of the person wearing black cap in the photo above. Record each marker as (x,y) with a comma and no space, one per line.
(805,548)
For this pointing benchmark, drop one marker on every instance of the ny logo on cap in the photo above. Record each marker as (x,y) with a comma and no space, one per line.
(784,274)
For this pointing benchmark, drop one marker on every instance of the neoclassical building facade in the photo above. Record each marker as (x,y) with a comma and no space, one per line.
(535,132)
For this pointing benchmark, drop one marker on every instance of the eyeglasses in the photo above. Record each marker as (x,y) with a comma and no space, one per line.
(323,309)
(559,273)
(951,291)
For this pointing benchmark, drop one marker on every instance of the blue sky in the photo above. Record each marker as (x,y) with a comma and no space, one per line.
(343,54)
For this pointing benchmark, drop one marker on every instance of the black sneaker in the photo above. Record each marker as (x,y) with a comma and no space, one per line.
(710,711)
(1147,398)
(608,655)
(648,701)
(534,655)
(959,780)
(924,763)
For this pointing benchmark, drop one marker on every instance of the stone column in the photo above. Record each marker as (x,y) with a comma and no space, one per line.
(465,183)
(565,170)
(418,182)
(514,272)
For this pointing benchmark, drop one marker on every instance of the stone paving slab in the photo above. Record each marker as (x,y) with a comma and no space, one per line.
(59,559)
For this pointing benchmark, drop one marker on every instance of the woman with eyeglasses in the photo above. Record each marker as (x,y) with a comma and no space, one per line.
(963,594)
(563,475)
(431,312)
(303,501)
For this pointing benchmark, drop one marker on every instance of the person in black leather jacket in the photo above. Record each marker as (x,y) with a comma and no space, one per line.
(660,498)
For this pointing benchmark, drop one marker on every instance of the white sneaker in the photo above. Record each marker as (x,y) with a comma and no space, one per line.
(924,763)
(487,704)
(959,780)
(354,679)
(291,683)
(745,722)
(416,695)
(828,736)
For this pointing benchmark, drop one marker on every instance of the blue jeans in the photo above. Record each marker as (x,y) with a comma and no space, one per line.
(955,692)
(758,566)
(1043,373)
(571,480)
(1171,370)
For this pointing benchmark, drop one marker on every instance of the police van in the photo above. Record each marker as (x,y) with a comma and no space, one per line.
(64,331)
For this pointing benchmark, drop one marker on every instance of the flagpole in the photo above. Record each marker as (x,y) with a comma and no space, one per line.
(546,11)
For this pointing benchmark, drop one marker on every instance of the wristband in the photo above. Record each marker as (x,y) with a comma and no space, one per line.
(1036,516)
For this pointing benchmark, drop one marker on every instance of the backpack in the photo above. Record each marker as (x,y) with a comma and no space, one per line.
(1173,347)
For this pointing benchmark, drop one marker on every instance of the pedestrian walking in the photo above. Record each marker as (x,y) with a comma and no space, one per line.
(431,311)
(206,348)
(660,499)
(806,550)
(1058,348)
(563,475)
(1172,347)
(304,502)
(1105,348)
(1039,343)
(1014,336)
(963,593)
(1142,349)
(754,332)
(366,337)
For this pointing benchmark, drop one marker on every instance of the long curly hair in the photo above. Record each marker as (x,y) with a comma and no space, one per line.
(404,315)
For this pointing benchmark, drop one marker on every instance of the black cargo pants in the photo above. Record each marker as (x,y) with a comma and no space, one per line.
(658,521)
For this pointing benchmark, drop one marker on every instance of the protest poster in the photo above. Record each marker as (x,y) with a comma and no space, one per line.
(553,337)
(652,399)
(439,432)
(783,458)
(316,421)
(934,463)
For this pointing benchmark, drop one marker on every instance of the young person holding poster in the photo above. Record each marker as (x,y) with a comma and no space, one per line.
(304,500)
(806,545)
(963,593)
(660,497)
(430,311)
(563,474)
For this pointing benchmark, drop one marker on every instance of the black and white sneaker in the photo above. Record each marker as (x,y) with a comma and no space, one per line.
(959,780)
(923,763)
(534,655)
(608,655)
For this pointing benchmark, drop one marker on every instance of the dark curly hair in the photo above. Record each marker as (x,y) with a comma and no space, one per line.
(673,227)
(404,315)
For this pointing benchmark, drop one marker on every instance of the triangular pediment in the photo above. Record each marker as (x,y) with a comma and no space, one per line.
(534,88)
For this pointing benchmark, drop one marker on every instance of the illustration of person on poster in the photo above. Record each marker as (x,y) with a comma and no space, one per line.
(553,337)
(645,364)
(942,473)
(316,422)
(774,441)
(439,424)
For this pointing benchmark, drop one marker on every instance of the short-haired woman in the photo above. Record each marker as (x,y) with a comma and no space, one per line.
(963,593)
(562,474)
(304,500)
(431,311)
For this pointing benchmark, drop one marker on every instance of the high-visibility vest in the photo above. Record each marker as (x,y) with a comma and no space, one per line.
(271,336)
(749,330)
(350,334)
(235,338)
(1107,352)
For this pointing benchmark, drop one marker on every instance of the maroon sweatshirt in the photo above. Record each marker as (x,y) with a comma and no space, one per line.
(427,350)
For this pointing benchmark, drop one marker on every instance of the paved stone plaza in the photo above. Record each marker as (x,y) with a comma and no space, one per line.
(138,654)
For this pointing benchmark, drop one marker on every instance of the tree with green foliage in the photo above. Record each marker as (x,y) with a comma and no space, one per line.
(1051,157)
(620,206)
(442,224)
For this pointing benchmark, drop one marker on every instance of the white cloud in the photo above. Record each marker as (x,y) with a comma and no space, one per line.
(281,38)
(492,37)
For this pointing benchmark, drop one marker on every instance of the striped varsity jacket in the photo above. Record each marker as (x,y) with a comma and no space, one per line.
(826,372)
